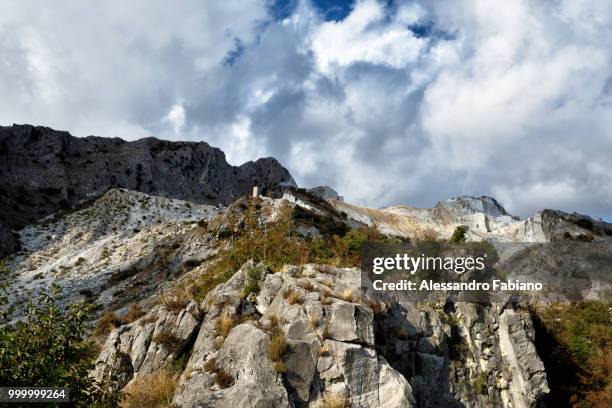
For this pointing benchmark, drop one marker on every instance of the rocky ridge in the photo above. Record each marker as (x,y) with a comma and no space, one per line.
(485,218)
(340,346)
(43,170)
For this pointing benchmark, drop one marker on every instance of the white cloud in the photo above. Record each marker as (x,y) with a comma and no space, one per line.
(176,117)
(364,37)
(506,98)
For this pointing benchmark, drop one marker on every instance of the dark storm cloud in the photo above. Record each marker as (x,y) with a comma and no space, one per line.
(389,102)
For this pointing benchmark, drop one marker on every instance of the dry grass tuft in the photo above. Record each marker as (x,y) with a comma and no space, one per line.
(224,324)
(107,322)
(375,306)
(348,295)
(280,367)
(324,350)
(278,346)
(134,313)
(173,303)
(336,401)
(168,340)
(326,300)
(314,320)
(273,322)
(154,390)
(306,285)
(292,296)
(222,378)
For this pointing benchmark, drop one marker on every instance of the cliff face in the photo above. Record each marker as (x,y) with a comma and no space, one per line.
(356,351)
(43,170)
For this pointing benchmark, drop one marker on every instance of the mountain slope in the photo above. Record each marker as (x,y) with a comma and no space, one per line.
(129,248)
(43,170)
(485,218)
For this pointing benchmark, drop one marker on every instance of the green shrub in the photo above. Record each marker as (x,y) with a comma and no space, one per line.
(459,234)
(480,384)
(48,349)
(574,341)
(270,243)
(254,275)
(342,250)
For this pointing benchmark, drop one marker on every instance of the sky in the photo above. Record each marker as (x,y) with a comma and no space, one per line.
(389,102)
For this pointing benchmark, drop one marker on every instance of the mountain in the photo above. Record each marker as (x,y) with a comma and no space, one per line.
(171,276)
(43,170)
(485,218)
(128,248)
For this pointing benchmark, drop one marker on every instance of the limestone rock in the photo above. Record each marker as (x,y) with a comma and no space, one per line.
(148,343)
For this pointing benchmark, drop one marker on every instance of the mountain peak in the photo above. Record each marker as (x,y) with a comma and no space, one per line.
(464,205)
(43,170)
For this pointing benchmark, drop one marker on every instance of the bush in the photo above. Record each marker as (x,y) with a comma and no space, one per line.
(459,234)
(168,340)
(134,313)
(480,384)
(254,275)
(270,244)
(575,343)
(274,245)
(342,251)
(48,349)
(106,323)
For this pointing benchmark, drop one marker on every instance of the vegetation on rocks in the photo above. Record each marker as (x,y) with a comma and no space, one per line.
(459,235)
(277,348)
(152,390)
(47,348)
(575,343)
(222,378)
(274,244)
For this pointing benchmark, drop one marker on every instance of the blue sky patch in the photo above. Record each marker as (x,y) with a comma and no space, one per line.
(330,10)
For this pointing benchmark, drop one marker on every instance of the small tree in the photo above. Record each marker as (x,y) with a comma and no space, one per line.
(459,234)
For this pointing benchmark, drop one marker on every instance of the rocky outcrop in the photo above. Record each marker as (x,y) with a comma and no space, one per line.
(310,338)
(330,347)
(325,193)
(485,218)
(147,344)
(43,170)
(464,354)
(465,205)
